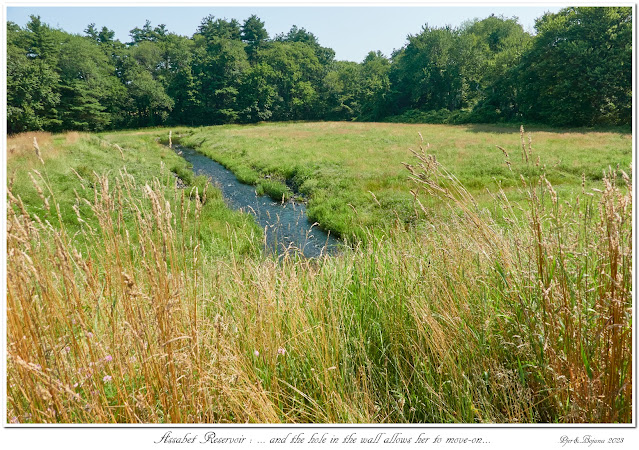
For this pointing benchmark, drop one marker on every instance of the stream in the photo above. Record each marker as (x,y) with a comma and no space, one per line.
(286,227)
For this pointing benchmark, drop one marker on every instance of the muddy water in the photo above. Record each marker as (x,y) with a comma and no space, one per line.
(286,227)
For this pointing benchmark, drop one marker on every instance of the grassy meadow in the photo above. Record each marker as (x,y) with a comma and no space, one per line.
(479,288)
(352,173)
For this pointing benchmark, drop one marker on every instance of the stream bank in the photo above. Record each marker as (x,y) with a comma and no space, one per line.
(285,224)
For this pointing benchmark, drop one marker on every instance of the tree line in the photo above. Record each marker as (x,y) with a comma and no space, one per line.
(576,70)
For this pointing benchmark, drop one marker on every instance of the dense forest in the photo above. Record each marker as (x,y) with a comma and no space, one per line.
(576,70)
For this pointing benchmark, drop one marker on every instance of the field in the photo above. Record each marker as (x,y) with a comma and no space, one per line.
(352,173)
(131,299)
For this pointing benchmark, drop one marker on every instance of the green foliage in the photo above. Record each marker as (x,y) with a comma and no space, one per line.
(496,45)
(325,55)
(257,93)
(427,73)
(340,91)
(275,189)
(32,81)
(218,64)
(104,36)
(576,71)
(151,103)
(90,96)
(254,34)
(147,33)
(456,69)
(176,74)
(32,93)
(41,41)
(295,67)
(375,86)
(213,29)
(443,116)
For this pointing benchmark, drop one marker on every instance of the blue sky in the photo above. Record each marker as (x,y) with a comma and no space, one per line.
(351,31)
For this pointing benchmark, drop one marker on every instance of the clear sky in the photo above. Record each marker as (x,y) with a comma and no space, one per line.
(351,31)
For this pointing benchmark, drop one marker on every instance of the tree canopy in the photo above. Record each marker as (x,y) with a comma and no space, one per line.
(576,70)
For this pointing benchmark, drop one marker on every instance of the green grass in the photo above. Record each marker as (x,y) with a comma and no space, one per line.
(72,168)
(160,308)
(352,173)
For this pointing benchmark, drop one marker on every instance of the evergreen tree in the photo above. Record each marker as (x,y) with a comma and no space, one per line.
(33,85)
(218,66)
(254,34)
(32,93)
(211,29)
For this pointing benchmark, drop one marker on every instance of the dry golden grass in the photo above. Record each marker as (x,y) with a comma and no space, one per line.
(71,137)
(21,145)
(456,320)
(567,268)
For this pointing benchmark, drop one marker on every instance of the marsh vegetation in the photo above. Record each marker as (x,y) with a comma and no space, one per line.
(479,285)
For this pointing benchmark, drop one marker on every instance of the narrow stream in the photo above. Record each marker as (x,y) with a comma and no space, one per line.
(286,226)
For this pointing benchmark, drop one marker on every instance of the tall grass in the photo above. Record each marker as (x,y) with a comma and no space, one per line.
(457,319)
(564,297)
(22,145)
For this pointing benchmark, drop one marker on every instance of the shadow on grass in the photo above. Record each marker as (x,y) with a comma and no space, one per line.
(508,128)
